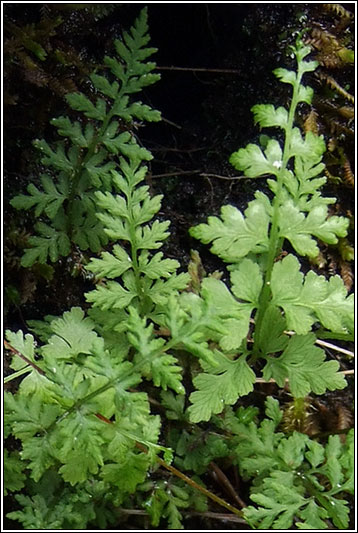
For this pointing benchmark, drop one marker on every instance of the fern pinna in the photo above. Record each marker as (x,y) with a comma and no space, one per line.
(282,297)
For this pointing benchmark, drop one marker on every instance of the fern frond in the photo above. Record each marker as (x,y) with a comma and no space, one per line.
(85,156)
(290,474)
(51,242)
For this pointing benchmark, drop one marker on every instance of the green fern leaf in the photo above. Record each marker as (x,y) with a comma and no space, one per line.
(234,236)
(195,454)
(35,513)
(305,94)
(128,472)
(232,318)
(104,86)
(98,172)
(52,243)
(144,112)
(72,130)
(29,415)
(306,299)
(111,296)
(174,405)
(286,488)
(286,76)
(224,386)
(166,503)
(34,382)
(57,159)
(23,344)
(39,454)
(156,267)
(298,229)
(247,281)
(88,232)
(150,238)
(125,144)
(267,116)
(80,102)
(304,365)
(161,290)
(60,507)
(312,515)
(49,200)
(14,477)
(72,335)
(111,265)
(161,367)
(254,163)
(332,467)
(279,502)
(310,149)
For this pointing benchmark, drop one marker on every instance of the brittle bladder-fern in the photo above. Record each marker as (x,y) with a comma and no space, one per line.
(270,289)
(82,414)
(80,164)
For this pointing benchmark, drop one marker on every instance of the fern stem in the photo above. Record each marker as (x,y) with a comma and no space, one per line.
(323,500)
(182,476)
(275,243)
(28,361)
(17,374)
(203,490)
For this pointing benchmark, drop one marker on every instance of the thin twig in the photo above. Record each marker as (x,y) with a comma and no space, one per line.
(216,516)
(327,345)
(182,476)
(202,174)
(271,380)
(172,123)
(138,512)
(334,347)
(320,342)
(225,483)
(192,483)
(194,69)
(17,374)
(178,173)
(205,514)
(229,178)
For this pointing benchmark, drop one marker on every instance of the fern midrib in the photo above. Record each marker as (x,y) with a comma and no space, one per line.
(275,242)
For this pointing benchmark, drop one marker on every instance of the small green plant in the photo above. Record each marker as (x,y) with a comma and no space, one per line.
(89,440)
